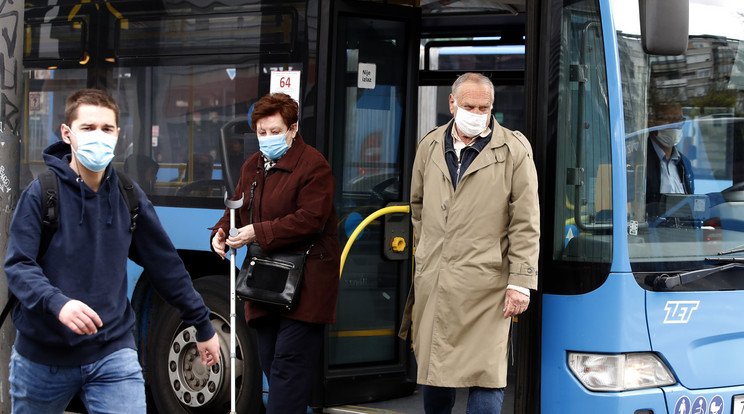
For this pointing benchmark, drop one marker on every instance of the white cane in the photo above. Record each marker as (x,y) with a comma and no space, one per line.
(232,205)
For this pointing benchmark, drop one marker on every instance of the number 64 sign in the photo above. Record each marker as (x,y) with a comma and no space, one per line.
(286,81)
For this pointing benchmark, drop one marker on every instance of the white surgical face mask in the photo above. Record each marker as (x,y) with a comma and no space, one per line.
(669,137)
(470,124)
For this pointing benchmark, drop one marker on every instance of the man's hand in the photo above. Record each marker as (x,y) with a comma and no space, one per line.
(209,351)
(80,318)
(515,303)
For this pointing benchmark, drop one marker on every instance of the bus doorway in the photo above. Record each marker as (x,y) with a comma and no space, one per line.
(375,122)
(371,118)
(491,42)
(451,40)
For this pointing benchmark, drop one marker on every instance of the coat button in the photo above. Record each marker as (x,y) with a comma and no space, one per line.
(529,270)
(444,207)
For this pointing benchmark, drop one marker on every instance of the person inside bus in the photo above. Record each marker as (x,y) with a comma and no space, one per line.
(668,171)
(143,170)
(292,208)
(476,217)
(203,166)
(201,183)
(74,319)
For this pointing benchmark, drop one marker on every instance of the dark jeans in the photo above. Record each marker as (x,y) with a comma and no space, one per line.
(289,352)
(440,400)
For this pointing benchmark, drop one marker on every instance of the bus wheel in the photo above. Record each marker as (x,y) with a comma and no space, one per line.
(179,382)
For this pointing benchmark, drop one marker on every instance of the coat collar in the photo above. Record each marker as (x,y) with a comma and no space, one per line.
(485,158)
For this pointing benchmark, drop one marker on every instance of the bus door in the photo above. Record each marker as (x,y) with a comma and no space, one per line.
(371,117)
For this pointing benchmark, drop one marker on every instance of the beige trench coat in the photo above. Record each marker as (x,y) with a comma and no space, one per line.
(470,244)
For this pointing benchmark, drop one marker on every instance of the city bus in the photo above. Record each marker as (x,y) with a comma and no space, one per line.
(637,309)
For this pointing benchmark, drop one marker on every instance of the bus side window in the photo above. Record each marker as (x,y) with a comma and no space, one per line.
(582,228)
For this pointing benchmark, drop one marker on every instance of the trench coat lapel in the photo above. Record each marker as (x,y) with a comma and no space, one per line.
(483,160)
(439,160)
(490,153)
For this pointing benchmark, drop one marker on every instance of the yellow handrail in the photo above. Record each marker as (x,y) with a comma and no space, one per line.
(363,224)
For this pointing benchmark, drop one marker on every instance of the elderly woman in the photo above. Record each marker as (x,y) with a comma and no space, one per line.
(292,209)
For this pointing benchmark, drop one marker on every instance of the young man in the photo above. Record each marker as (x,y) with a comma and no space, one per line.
(74,319)
(475,212)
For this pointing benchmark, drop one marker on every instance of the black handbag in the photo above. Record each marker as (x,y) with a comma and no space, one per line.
(272,278)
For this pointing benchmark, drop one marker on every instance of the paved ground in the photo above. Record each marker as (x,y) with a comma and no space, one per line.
(407,405)
(413,405)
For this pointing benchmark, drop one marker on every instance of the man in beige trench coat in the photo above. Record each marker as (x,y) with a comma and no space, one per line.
(475,212)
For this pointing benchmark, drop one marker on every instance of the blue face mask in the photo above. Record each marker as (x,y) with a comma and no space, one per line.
(95,149)
(273,146)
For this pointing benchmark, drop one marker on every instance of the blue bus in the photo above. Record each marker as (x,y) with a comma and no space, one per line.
(638,306)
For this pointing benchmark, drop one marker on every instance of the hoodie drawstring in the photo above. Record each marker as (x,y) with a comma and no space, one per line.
(112,199)
(82,199)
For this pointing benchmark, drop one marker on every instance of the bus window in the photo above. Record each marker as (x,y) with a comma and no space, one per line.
(189,106)
(498,57)
(697,99)
(49,89)
(583,203)
(175,92)
(189,103)
(481,54)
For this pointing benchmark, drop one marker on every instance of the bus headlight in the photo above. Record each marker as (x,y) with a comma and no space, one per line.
(619,372)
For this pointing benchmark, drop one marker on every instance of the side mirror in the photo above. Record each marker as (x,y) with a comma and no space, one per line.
(664,26)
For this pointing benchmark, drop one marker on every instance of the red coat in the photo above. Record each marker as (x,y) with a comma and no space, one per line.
(292,205)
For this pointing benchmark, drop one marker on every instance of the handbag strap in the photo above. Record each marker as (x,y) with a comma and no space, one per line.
(250,203)
(250,214)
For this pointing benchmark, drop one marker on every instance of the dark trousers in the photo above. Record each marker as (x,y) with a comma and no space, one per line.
(289,352)
(441,400)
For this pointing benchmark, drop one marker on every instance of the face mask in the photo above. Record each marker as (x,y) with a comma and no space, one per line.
(470,124)
(669,137)
(273,146)
(95,149)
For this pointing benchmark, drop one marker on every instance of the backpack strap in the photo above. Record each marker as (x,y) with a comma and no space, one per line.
(126,187)
(50,208)
(12,302)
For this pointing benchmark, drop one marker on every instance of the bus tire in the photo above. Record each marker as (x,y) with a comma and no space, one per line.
(179,383)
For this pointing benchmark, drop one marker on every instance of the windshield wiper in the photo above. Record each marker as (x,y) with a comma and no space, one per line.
(737,249)
(666,281)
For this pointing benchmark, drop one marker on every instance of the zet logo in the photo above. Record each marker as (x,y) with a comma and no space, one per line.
(680,311)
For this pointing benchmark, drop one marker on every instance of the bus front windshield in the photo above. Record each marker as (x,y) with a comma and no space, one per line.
(684,125)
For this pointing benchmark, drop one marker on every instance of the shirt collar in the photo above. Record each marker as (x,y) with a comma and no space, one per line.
(477,144)
(662,155)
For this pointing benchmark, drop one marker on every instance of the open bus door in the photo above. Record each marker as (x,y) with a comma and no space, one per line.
(370,117)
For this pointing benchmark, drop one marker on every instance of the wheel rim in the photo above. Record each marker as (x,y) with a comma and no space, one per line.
(194,384)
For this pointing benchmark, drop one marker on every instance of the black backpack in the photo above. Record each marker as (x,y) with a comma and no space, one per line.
(50,205)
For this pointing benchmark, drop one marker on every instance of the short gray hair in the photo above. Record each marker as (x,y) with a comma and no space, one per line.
(472,77)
